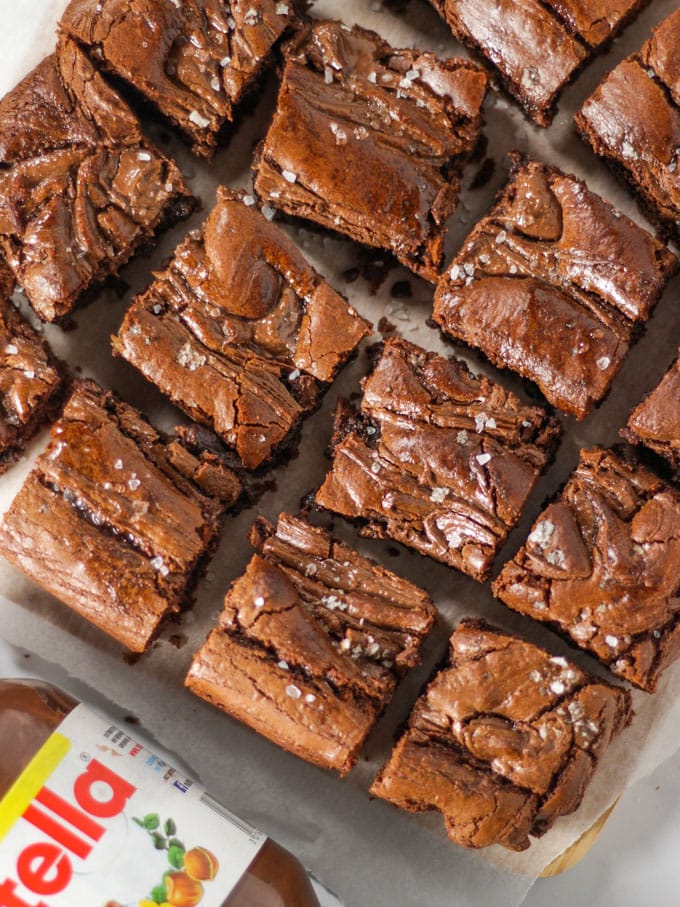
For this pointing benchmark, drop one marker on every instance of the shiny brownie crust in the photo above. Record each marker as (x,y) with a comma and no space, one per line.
(370,141)
(553,260)
(602,566)
(193,60)
(436,458)
(536,47)
(632,120)
(503,741)
(311,643)
(81,190)
(116,520)
(240,331)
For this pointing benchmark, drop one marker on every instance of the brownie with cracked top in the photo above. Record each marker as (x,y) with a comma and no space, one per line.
(536,46)
(81,190)
(31,379)
(602,566)
(115,519)
(553,260)
(656,421)
(632,120)
(437,458)
(311,643)
(240,331)
(370,141)
(503,741)
(194,60)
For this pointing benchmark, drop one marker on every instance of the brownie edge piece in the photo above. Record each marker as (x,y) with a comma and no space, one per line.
(240,331)
(656,421)
(601,565)
(536,46)
(503,741)
(116,520)
(31,381)
(194,61)
(311,643)
(370,141)
(81,190)
(632,120)
(436,459)
(553,259)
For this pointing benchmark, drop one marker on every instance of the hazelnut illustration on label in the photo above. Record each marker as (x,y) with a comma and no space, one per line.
(124,829)
(182,882)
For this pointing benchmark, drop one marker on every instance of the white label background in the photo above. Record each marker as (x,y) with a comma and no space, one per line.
(124,866)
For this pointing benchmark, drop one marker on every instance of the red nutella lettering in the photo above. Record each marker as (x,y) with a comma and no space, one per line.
(120,791)
(44,867)
(9,899)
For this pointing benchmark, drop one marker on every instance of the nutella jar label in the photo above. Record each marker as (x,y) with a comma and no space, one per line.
(98,820)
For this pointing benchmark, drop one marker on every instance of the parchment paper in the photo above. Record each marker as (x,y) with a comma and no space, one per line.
(366,851)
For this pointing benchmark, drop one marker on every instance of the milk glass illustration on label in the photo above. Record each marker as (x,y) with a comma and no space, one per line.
(97,819)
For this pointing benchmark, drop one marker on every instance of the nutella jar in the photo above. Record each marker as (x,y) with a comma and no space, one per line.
(88,815)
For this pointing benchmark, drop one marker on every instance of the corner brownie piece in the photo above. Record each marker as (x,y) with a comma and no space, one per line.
(536,46)
(311,643)
(553,260)
(193,60)
(503,741)
(116,520)
(370,141)
(656,421)
(30,382)
(240,332)
(602,567)
(632,119)
(437,458)
(80,188)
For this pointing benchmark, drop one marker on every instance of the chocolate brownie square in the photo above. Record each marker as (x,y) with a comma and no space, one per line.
(602,567)
(81,190)
(536,46)
(632,119)
(30,382)
(370,141)
(503,741)
(656,421)
(193,60)
(311,643)
(240,331)
(553,260)
(437,458)
(116,520)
